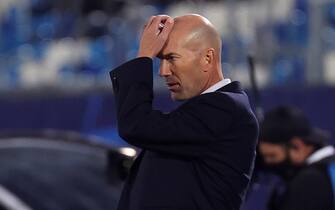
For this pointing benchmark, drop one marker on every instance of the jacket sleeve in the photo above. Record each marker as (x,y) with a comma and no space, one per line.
(188,130)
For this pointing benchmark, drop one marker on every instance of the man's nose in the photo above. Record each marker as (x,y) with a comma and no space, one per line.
(164,69)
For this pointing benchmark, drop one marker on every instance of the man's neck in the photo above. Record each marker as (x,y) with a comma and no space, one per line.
(212,80)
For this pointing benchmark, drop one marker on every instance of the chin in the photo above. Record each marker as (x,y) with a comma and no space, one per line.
(178,97)
(175,98)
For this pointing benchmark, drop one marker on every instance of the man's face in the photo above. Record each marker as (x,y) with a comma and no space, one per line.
(277,160)
(181,68)
(272,153)
(299,151)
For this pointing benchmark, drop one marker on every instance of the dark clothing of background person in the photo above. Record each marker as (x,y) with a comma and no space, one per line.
(311,188)
(198,157)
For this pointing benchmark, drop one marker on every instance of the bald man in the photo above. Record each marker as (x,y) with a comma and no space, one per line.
(199,156)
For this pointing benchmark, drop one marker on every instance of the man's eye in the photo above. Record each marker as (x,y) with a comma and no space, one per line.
(171,58)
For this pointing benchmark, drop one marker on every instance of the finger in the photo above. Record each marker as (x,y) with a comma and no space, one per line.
(160,28)
(167,28)
(149,22)
(159,19)
(158,23)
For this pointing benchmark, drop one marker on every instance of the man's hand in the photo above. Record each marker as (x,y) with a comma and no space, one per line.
(155,33)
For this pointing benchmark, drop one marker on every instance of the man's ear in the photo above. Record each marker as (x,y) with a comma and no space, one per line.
(208,59)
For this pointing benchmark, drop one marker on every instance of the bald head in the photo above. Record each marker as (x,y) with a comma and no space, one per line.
(191,57)
(196,32)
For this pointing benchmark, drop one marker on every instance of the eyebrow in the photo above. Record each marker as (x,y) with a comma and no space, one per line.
(162,56)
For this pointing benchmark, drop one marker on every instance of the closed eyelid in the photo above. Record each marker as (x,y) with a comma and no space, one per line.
(170,55)
(166,57)
(173,56)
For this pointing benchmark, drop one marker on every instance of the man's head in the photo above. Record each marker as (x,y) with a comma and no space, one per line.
(286,135)
(191,57)
(273,153)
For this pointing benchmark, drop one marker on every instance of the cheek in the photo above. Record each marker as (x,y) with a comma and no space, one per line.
(292,154)
(295,156)
(188,73)
(192,81)
(194,72)
(182,70)
(280,156)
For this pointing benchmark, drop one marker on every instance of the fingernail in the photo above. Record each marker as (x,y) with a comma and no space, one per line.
(170,20)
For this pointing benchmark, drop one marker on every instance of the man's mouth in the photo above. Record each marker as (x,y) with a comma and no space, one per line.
(173,86)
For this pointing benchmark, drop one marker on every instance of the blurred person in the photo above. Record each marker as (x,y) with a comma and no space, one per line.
(200,155)
(301,156)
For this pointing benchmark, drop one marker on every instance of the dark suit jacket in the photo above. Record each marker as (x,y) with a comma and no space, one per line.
(198,157)
(311,188)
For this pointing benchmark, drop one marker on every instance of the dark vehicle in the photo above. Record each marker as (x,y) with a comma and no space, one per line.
(60,171)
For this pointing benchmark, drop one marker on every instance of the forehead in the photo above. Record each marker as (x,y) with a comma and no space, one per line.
(173,43)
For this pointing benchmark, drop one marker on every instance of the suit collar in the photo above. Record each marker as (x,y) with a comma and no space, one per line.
(234,87)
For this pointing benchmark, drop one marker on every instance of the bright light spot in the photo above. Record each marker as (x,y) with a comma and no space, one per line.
(128,151)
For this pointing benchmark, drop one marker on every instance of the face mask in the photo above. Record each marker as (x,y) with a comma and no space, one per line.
(284,169)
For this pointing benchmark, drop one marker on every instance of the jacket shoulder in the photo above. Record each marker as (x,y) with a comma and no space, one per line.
(227,100)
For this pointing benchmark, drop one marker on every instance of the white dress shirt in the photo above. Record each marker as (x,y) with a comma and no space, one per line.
(217,86)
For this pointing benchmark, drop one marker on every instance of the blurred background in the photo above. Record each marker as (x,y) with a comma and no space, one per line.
(55,90)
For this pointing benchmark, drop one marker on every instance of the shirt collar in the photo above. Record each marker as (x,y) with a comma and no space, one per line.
(217,86)
(320,154)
